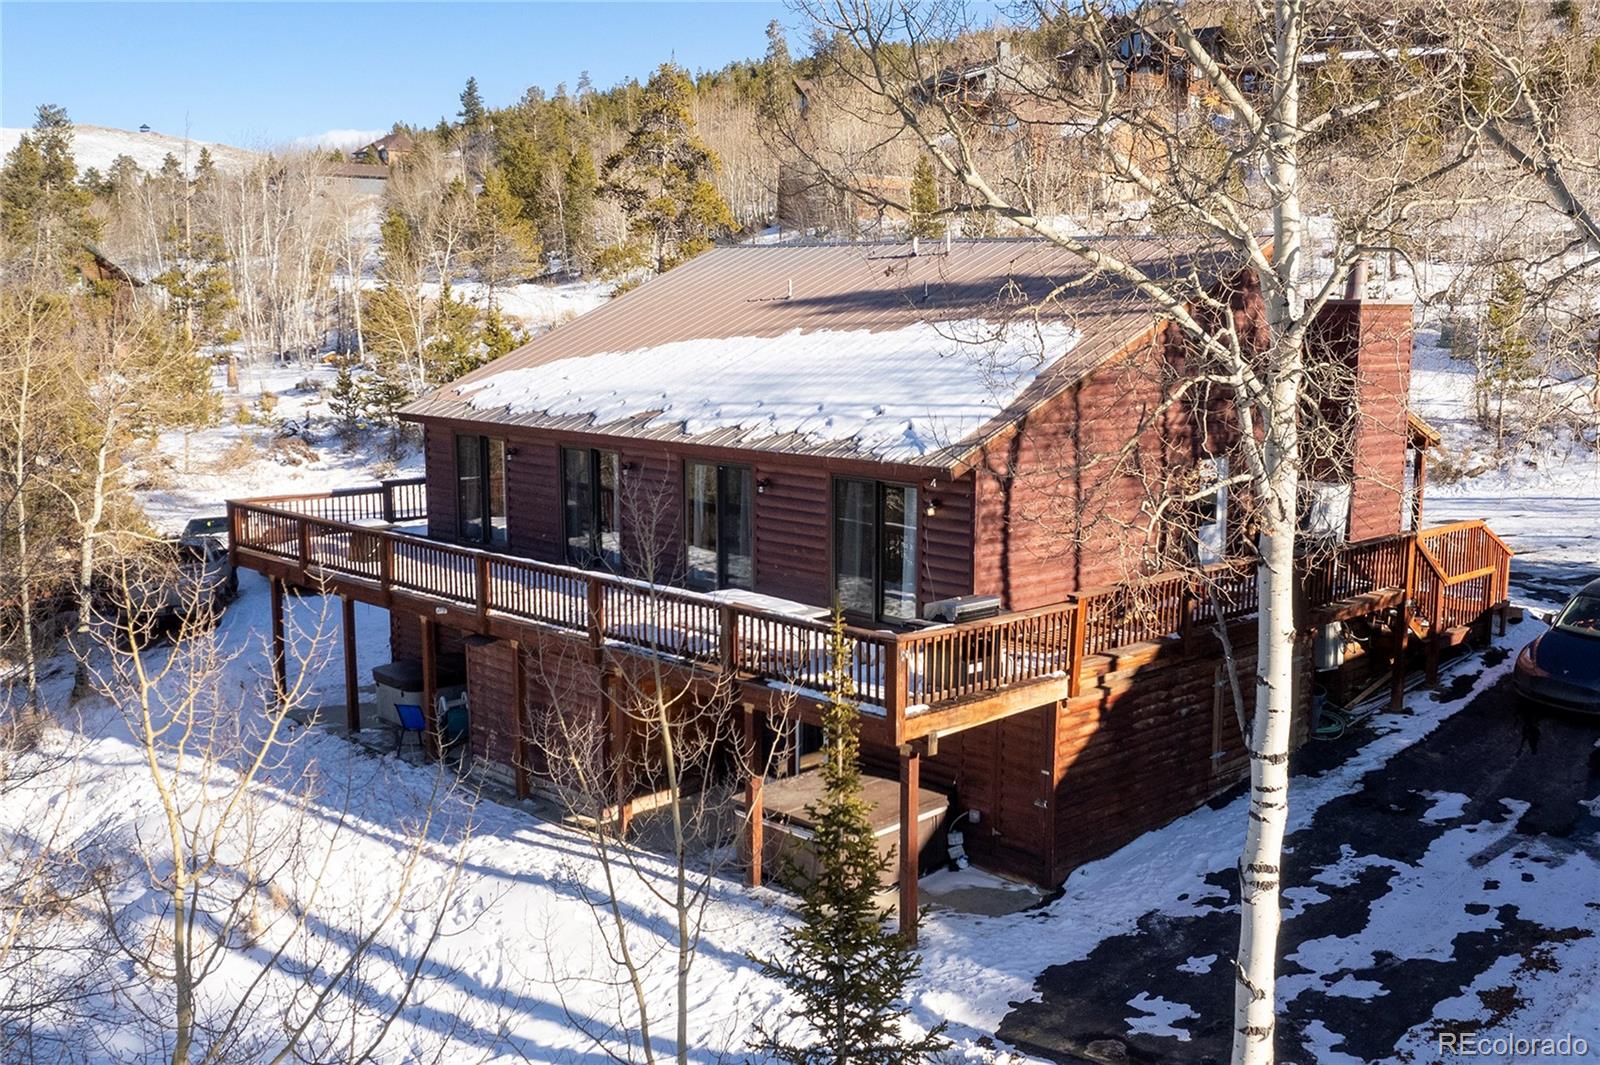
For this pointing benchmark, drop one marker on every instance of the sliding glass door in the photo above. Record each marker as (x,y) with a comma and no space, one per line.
(481,489)
(718,539)
(591,513)
(875,549)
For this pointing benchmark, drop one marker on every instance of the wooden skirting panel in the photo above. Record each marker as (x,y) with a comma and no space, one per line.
(1152,735)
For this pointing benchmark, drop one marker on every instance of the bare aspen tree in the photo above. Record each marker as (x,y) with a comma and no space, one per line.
(647,763)
(34,328)
(245,938)
(1231,164)
(1529,96)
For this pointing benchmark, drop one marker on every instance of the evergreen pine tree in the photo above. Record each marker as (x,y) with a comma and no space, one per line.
(1509,364)
(579,184)
(506,245)
(777,60)
(454,346)
(44,211)
(22,192)
(497,337)
(845,966)
(97,184)
(347,399)
(925,221)
(123,175)
(661,176)
(472,112)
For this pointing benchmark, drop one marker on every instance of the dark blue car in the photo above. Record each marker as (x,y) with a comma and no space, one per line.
(1561,667)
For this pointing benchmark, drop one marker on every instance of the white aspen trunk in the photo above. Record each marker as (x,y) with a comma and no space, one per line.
(24,564)
(90,532)
(1260,864)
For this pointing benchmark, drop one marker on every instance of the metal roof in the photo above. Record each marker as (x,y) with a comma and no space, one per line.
(769,290)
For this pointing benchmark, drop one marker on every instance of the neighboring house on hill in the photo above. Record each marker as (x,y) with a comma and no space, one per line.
(985,83)
(366,178)
(1146,62)
(94,265)
(924,439)
(809,203)
(386,151)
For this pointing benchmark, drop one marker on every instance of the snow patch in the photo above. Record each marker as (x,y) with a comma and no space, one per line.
(1159,1017)
(99,146)
(899,393)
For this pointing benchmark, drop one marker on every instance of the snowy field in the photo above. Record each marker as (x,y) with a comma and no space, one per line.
(287,449)
(99,146)
(521,958)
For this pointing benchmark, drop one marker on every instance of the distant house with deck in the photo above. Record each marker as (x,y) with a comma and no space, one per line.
(691,476)
(389,150)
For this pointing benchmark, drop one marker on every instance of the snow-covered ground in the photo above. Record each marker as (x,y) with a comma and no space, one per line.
(1546,503)
(292,447)
(533,304)
(99,146)
(256,451)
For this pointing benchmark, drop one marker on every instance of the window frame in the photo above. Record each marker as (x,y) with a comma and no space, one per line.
(722,470)
(489,534)
(596,552)
(914,512)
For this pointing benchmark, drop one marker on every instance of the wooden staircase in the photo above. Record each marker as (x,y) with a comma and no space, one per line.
(1459,574)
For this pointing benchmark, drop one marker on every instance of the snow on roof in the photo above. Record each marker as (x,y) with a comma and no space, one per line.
(794,348)
(896,394)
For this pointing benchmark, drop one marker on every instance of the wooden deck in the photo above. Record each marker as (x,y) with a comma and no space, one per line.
(910,685)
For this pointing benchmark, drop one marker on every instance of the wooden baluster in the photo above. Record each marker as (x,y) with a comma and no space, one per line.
(386,565)
(481,567)
(730,639)
(596,616)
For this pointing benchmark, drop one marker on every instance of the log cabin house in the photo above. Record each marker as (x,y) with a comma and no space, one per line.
(953,443)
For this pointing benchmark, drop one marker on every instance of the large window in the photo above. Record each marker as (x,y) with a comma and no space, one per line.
(590,506)
(1211,515)
(481,489)
(717,525)
(875,549)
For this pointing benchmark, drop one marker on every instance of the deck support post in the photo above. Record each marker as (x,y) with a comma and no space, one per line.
(430,687)
(754,778)
(352,696)
(1080,634)
(617,735)
(1402,636)
(280,654)
(519,703)
(910,793)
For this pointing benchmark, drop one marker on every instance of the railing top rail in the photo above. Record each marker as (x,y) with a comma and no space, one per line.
(1160,583)
(1435,531)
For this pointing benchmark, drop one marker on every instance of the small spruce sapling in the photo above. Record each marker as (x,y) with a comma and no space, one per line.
(845,967)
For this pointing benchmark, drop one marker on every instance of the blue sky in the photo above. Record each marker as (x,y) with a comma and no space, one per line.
(261,74)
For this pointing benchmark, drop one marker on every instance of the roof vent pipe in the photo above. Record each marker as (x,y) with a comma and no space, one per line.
(1355,283)
(913,245)
(790,296)
(947,240)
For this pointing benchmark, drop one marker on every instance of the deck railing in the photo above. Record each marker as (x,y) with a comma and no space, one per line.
(1463,569)
(1459,571)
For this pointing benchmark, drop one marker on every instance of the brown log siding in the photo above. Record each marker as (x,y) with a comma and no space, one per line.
(792,519)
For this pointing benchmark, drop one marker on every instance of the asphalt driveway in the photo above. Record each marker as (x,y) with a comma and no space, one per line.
(1427,899)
